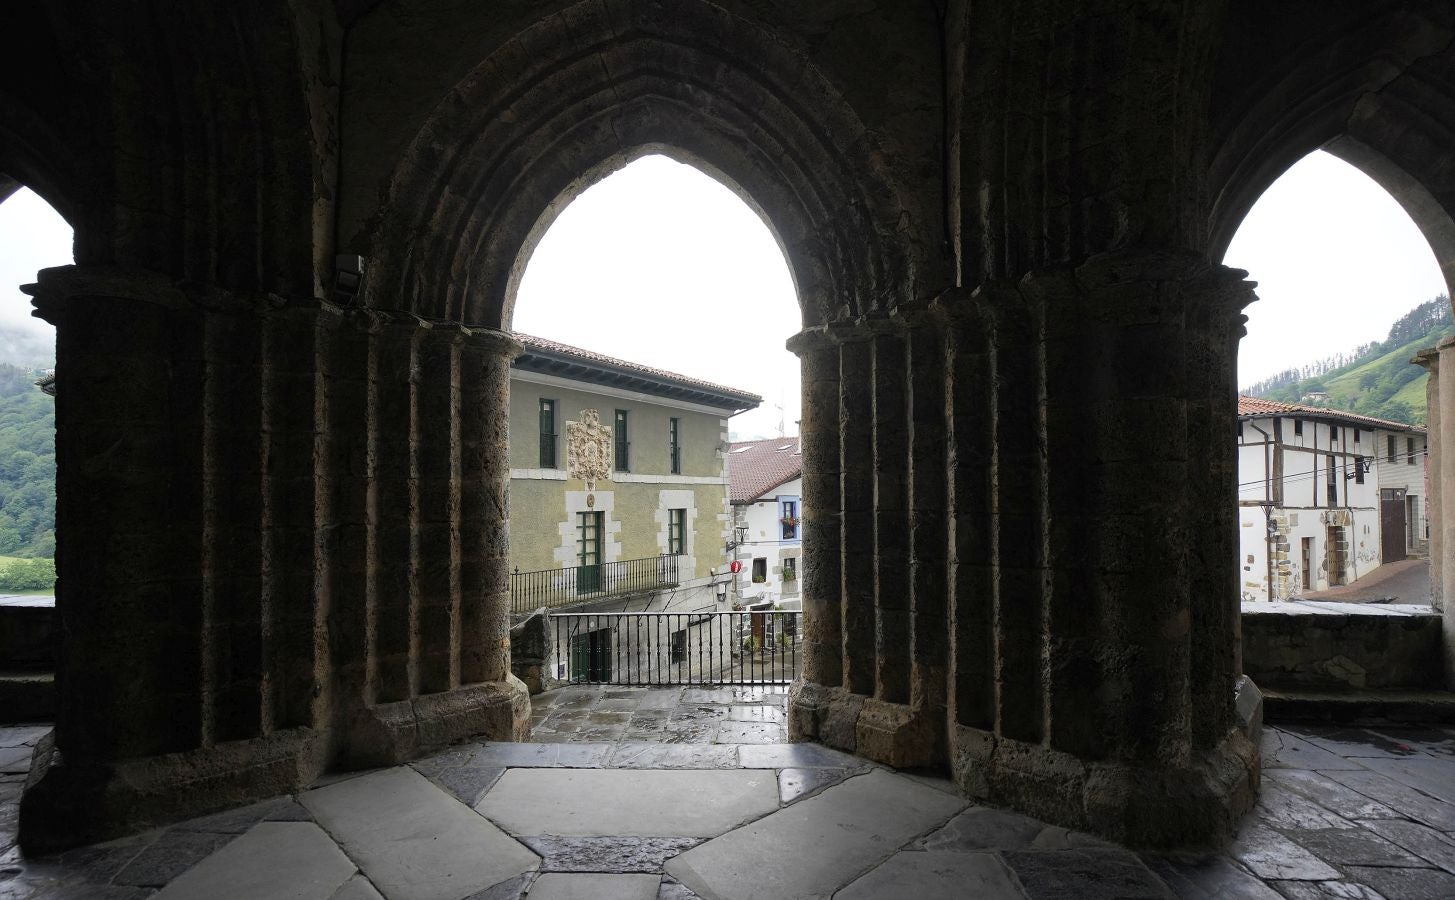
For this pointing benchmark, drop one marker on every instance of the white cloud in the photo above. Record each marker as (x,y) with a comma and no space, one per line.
(1337,261)
(32,237)
(663,265)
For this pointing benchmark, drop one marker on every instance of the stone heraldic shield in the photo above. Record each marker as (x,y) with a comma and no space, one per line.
(588,449)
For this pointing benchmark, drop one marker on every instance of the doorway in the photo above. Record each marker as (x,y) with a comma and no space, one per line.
(1393,525)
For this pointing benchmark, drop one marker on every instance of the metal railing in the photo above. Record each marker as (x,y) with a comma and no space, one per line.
(659,648)
(555,588)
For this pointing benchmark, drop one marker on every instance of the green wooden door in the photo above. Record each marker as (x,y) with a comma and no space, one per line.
(588,552)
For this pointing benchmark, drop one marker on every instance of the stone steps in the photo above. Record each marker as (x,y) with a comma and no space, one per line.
(1362,707)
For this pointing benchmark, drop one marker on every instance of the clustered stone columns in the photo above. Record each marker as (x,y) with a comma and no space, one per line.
(282,542)
(1025,557)
(1440,507)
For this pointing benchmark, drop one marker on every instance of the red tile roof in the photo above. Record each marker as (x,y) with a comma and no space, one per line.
(1257,406)
(756,467)
(541,344)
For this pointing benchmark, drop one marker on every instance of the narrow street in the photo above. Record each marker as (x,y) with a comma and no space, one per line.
(1407,581)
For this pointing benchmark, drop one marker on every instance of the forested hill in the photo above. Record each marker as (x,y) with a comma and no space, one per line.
(27,466)
(1376,379)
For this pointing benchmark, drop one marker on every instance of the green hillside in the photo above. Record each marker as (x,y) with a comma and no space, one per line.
(1376,380)
(27,466)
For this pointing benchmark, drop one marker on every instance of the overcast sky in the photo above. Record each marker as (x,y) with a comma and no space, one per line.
(661,264)
(1337,261)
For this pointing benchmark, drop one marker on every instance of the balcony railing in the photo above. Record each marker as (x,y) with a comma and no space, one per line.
(702,648)
(555,588)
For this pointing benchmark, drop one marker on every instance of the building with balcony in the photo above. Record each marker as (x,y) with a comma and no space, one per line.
(1324,496)
(618,486)
(766,480)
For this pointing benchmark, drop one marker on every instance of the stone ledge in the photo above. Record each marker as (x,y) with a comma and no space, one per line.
(1327,647)
(1196,805)
(894,734)
(69,804)
(388,734)
(1360,707)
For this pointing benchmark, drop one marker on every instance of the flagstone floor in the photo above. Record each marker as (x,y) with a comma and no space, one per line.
(595,810)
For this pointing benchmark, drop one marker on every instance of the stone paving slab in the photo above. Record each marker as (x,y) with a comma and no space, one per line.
(272,861)
(1099,874)
(555,886)
(611,802)
(936,875)
(1407,884)
(816,846)
(414,841)
(607,854)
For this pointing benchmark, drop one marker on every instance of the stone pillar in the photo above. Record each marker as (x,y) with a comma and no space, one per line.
(888,702)
(281,546)
(1429,359)
(1078,423)
(819,445)
(970,404)
(1445,438)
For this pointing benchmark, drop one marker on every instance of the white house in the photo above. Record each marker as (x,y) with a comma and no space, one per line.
(1403,479)
(1309,495)
(766,489)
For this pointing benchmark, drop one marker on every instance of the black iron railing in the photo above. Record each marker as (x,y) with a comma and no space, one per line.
(658,648)
(555,588)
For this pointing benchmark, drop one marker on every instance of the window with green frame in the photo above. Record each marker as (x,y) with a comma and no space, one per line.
(623,444)
(674,444)
(548,434)
(676,531)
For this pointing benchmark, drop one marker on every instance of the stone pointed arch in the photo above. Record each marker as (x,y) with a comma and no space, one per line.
(1373,89)
(578,95)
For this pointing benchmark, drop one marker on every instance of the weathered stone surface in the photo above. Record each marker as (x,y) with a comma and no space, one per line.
(248,474)
(1326,792)
(607,854)
(620,802)
(815,846)
(1430,845)
(274,859)
(413,840)
(510,889)
(1084,874)
(1210,878)
(1408,884)
(358,888)
(1270,855)
(1363,647)
(557,886)
(796,784)
(935,875)
(239,820)
(171,854)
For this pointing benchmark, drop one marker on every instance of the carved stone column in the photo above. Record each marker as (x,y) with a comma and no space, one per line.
(1445,439)
(1429,360)
(281,545)
(888,701)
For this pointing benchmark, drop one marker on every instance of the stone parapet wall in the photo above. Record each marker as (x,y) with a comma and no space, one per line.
(1342,646)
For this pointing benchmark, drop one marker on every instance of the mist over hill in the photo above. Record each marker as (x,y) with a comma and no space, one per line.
(1374,379)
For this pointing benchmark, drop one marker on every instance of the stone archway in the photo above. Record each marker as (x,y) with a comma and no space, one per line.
(517,139)
(1372,87)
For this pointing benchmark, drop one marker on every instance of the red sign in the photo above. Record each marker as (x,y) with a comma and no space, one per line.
(736,566)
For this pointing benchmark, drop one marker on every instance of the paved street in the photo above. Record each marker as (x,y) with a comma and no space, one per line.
(1406,581)
(1344,812)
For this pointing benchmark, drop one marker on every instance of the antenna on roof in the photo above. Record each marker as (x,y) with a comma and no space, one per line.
(779,407)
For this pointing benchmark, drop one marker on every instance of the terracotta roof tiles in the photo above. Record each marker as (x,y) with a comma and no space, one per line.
(1257,406)
(756,467)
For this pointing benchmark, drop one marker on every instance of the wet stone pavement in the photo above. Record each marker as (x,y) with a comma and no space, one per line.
(595,809)
(679,715)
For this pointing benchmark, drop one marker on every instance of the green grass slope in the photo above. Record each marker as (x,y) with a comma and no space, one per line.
(1386,385)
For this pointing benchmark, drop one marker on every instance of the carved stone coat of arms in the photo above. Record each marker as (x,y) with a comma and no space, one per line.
(588,449)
